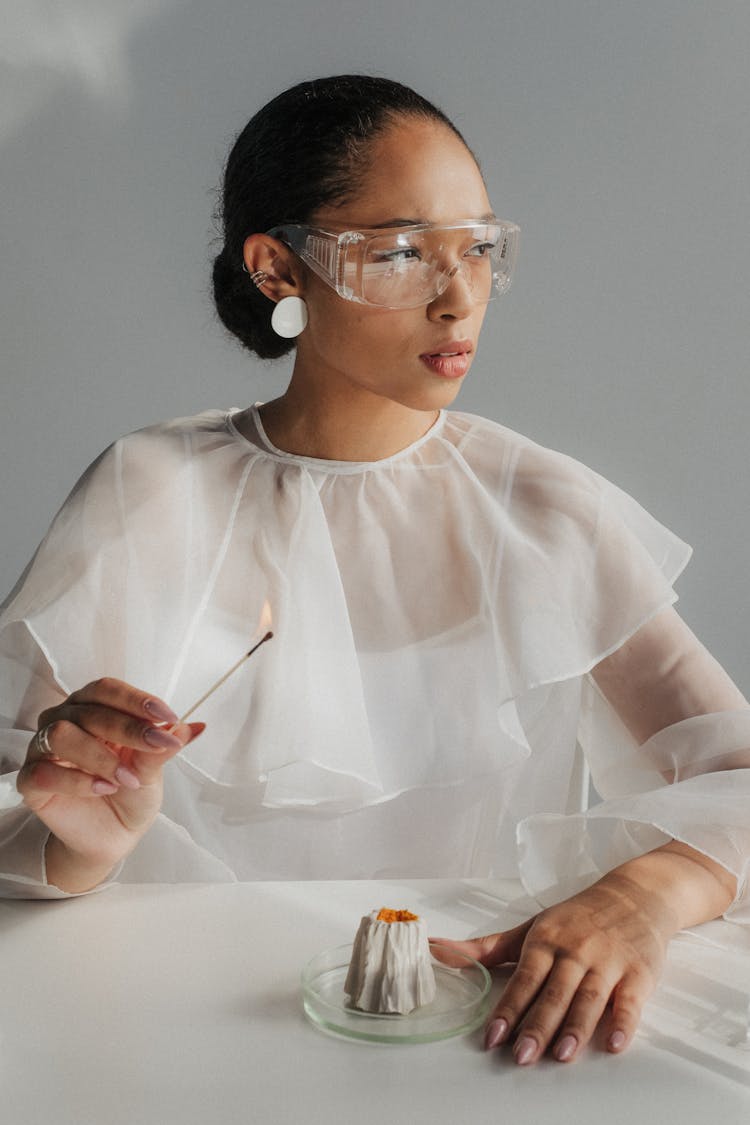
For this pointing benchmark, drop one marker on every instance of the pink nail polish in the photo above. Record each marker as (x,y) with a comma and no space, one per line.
(160,711)
(102,788)
(161,739)
(526,1050)
(617,1040)
(496,1033)
(127,778)
(566,1048)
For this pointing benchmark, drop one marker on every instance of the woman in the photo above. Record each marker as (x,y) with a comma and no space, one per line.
(453,606)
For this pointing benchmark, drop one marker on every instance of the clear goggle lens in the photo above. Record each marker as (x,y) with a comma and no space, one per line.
(411,268)
(406,267)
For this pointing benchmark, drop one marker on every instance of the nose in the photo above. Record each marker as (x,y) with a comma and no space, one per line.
(457,300)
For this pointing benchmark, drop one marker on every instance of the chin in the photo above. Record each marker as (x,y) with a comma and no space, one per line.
(439,397)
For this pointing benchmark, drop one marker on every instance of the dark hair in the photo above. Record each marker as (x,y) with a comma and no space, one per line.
(306,147)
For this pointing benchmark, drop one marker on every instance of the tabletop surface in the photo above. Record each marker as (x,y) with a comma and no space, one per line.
(182,1004)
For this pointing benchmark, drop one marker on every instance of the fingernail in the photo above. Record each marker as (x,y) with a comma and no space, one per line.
(102,787)
(525,1050)
(496,1033)
(617,1040)
(161,739)
(566,1048)
(127,778)
(160,711)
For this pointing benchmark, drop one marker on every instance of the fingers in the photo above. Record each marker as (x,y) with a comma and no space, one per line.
(627,1004)
(599,949)
(148,767)
(91,768)
(533,968)
(112,712)
(542,987)
(73,721)
(586,1010)
(41,780)
(555,999)
(100,771)
(567,1010)
(118,727)
(492,950)
(69,742)
(557,1003)
(119,696)
(124,697)
(103,743)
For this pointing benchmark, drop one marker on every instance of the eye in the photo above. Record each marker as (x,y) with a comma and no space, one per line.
(481,249)
(402,254)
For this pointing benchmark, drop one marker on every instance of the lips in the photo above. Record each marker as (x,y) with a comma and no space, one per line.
(448,348)
(450,359)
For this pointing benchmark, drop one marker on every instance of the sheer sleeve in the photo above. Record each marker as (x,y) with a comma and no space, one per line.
(685,775)
(438,618)
(84,608)
(709,811)
(28,686)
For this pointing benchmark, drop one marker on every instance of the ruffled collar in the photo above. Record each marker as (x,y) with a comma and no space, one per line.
(259,439)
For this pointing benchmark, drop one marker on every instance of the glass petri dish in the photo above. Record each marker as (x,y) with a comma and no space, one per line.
(460,1005)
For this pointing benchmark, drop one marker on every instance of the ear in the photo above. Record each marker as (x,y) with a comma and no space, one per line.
(285,271)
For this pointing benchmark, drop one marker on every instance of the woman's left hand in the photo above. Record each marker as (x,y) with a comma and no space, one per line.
(600,951)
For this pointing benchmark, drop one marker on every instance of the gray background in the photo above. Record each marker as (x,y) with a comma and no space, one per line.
(616,134)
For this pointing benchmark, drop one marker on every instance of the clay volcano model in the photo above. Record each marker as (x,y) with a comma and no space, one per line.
(391,968)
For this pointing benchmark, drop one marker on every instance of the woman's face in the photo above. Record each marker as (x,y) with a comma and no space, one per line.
(422,172)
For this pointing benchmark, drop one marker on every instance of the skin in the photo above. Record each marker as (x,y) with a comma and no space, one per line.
(359,391)
(594,959)
(103,789)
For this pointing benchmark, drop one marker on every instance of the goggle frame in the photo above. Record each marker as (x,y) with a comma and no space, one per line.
(338,257)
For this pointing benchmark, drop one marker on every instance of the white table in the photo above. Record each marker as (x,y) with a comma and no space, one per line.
(176,1005)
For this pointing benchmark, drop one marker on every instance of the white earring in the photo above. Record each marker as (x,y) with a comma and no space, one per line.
(289,317)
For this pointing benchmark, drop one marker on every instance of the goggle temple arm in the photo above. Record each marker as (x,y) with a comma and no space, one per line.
(318,250)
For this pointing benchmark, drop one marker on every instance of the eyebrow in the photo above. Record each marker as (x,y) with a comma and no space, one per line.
(489,217)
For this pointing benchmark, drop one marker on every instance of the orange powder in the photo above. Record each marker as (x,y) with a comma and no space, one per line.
(386,915)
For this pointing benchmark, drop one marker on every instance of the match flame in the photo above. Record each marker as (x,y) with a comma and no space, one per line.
(265,622)
(262,634)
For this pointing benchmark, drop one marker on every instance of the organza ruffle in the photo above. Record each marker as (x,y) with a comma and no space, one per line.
(415,601)
(435,616)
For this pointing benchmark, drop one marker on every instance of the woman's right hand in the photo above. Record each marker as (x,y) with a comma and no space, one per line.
(101,789)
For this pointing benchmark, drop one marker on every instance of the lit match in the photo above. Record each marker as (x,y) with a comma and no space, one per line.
(264,627)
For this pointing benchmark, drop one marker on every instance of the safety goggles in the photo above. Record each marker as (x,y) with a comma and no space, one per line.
(408,266)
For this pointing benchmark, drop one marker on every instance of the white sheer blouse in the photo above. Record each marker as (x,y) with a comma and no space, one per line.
(436,615)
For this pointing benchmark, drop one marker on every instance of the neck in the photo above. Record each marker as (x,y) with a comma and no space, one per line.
(341,426)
